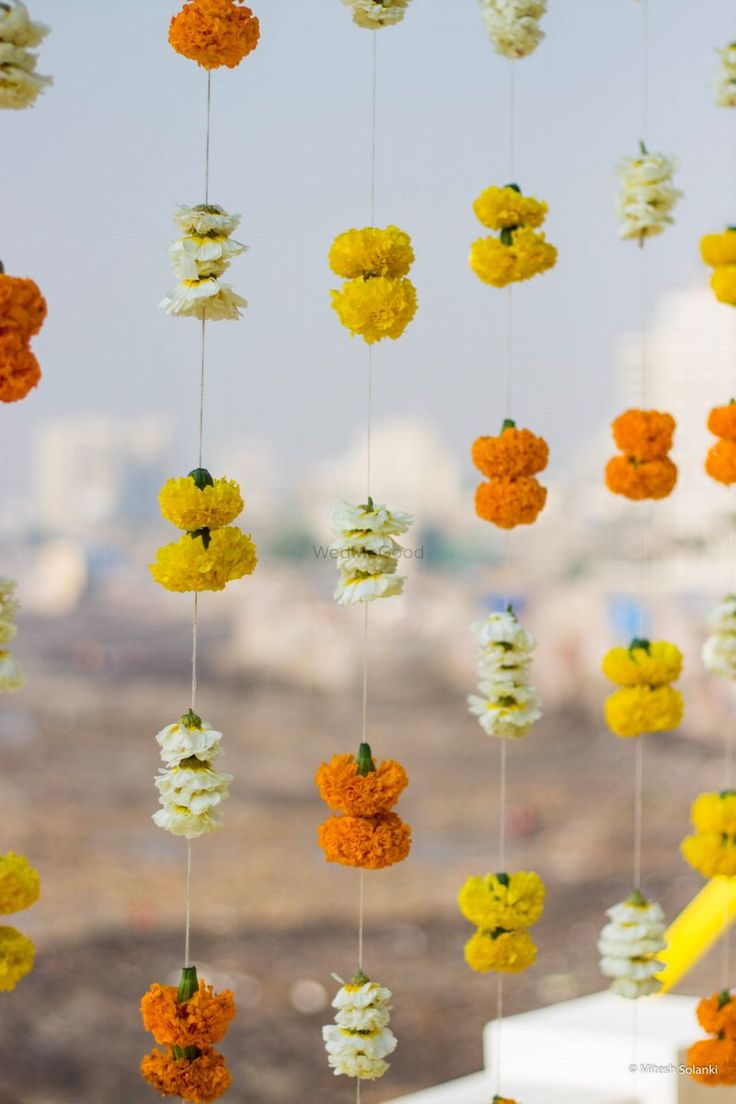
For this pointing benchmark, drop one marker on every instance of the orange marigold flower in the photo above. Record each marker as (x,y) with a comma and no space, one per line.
(722,419)
(22,306)
(717,1053)
(644,434)
(199,1021)
(720,463)
(510,502)
(214,32)
(19,370)
(346,791)
(369,842)
(650,479)
(514,453)
(717,1014)
(200,1081)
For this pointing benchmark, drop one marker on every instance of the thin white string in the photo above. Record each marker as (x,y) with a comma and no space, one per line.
(499,1030)
(374,104)
(509,350)
(207,141)
(644,69)
(361,918)
(502,810)
(512,120)
(187,932)
(638,807)
(195,627)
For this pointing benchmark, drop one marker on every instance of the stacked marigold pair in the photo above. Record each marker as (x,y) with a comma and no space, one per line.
(367,833)
(20,888)
(213,552)
(20,84)
(187,1022)
(511,462)
(519,252)
(503,907)
(629,944)
(645,469)
(507,705)
(713,1061)
(646,701)
(367,552)
(22,313)
(376,300)
(719,252)
(720,463)
(711,850)
(11,673)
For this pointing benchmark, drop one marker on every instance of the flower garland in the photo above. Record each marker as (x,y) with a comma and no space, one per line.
(644,470)
(214,32)
(724,82)
(11,672)
(713,1061)
(720,463)
(719,252)
(360,1039)
(20,84)
(191,791)
(503,907)
(510,461)
(646,701)
(508,705)
(629,944)
(22,313)
(367,552)
(513,25)
(519,252)
(199,258)
(711,850)
(187,1021)
(374,14)
(20,887)
(719,650)
(376,300)
(647,194)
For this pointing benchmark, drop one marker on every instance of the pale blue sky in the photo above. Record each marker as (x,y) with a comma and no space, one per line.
(91,175)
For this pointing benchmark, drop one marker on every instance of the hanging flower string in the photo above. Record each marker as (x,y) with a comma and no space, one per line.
(22,314)
(507,705)
(644,470)
(713,1061)
(520,251)
(647,195)
(11,673)
(513,496)
(20,887)
(214,33)
(374,14)
(503,907)
(629,944)
(20,84)
(367,552)
(200,258)
(724,82)
(360,1039)
(719,650)
(646,701)
(377,300)
(513,25)
(711,850)
(720,463)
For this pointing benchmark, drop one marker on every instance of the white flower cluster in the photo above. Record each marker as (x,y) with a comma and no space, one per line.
(628,944)
(20,84)
(190,790)
(360,1040)
(11,675)
(513,25)
(719,650)
(367,551)
(724,83)
(374,14)
(507,705)
(647,194)
(199,258)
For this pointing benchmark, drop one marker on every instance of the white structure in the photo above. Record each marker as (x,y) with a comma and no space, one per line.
(587,1050)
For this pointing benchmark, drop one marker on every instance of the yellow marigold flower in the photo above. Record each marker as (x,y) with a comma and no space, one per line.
(723,283)
(719,249)
(20,885)
(711,853)
(715,812)
(506,208)
(188,507)
(376,308)
(187,565)
(509,901)
(634,710)
(534,254)
(529,254)
(371,252)
(16,958)
(505,952)
(643,664)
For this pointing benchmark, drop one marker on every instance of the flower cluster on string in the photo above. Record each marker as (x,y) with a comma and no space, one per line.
(520,251)
(513,25)
(644,470)
(720,463)
(376,300)
(11,673)
(20,84)
(719,252)
(374,14)
(513,496)
(719,650)
(190,790)
(713,1061)
(367,552)
(367,833)
(360,1039)
(629,944)
(214,32)
(646,195)
(712,848)
(213,552)
(646,701)
(199,258)
(187,1022)
(20,887)
(507,705)
(724,83)
(22,313)
(503,907)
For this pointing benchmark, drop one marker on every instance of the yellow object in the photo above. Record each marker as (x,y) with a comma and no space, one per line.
(510,901)
(505,953)
(378,307)
(191,564)
(191,507)
(20,885)
(719,249)
(371,252)
(506,208)
(723,283)
(643,664)
(16,958)
(634,710)
(696,929)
